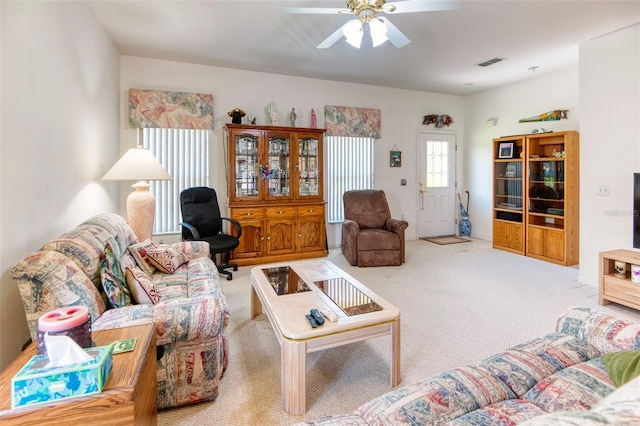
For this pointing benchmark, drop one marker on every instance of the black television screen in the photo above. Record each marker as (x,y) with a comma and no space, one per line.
(636,210)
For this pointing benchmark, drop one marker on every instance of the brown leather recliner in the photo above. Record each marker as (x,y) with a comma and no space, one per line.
(370,237)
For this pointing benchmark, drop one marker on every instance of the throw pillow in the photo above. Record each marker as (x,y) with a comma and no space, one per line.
(165,258)
(622,366)
(139,253)
(143,290)
(113,280)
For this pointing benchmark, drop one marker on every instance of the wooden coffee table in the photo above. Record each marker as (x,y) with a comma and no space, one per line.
(128,398)
(288,291)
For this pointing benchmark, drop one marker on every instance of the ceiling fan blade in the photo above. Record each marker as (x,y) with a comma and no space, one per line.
(329,41)
(315,10)
(408,6)
(394,35)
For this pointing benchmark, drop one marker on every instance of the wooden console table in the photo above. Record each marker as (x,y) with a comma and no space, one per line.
(128,398)
(614,289)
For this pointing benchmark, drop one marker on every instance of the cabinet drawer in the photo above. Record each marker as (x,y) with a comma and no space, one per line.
(312,210)
(621,289)
(247,213)
(284,211)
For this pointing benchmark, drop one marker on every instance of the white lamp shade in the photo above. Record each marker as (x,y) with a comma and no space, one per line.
(137,164)
(378,32)
(352,30)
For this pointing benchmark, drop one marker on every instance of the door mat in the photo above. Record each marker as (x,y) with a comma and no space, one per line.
(446,239)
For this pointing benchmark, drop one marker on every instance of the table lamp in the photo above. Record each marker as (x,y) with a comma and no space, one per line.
(140,165)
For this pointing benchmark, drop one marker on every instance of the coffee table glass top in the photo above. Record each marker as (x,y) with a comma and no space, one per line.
(348,297)
(284,280)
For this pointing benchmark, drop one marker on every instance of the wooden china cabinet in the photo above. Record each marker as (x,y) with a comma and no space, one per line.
(275,191)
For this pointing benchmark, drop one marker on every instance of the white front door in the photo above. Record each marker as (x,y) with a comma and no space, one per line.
(436,184)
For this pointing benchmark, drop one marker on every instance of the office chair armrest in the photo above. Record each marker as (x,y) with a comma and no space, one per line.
(236,224)
(194,232)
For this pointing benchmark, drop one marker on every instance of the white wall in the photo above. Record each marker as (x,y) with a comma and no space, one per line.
(610,143)
(402,113)
(59,134)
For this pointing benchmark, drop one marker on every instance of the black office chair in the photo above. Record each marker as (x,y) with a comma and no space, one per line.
(201,221)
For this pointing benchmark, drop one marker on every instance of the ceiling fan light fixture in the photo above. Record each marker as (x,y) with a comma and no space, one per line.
(352,31)
(378,32)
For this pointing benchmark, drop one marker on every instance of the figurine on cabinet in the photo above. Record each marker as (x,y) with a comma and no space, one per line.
(292,117)
(272,113)
(236,115)
(314,119)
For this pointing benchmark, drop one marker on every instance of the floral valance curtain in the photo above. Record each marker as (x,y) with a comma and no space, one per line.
(352,121)
(170,110)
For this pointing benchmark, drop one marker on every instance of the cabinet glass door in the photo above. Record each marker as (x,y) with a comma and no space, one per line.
(279,167)
(308,167)
(508,187)
(546,193)
(246,166)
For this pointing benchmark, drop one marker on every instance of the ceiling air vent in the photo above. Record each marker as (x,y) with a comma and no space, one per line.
(490,62)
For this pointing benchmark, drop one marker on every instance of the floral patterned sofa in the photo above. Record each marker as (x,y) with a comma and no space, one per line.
(559,379)
(94,265)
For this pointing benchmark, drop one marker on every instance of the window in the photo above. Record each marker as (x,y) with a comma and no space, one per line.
(184,153)
(349,166)
(437,164)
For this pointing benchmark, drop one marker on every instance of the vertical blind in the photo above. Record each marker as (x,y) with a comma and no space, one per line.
(349,166)
(184,153)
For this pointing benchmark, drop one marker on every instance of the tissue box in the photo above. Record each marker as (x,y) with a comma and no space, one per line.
(35,384)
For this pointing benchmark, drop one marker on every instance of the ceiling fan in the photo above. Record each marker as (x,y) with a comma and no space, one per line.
(367,21)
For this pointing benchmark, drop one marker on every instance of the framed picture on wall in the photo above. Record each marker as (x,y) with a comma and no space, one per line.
(396,159)
(505,150)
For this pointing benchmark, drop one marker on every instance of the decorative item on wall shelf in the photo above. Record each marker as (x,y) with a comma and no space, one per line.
(438,120)
(547,116)
(395,157)
(505,150)
(236,115)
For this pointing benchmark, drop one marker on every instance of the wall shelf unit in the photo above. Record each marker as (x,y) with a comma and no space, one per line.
(536,196)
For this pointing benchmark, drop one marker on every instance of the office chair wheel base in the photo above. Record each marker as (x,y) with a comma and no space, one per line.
(229,277)
(235,268)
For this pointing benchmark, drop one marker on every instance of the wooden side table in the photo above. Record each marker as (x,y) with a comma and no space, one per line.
(128,398)
(618,289)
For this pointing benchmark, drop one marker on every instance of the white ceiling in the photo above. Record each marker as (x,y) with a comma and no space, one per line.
(441,58)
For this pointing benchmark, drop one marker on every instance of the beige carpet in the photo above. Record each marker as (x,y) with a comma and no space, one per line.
(460,303)
(446,240)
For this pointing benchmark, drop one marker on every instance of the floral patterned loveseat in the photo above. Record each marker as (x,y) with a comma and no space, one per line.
(557,380)
(186,303)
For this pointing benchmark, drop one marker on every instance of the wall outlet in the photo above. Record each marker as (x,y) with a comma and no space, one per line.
(403,182)
(603,190)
